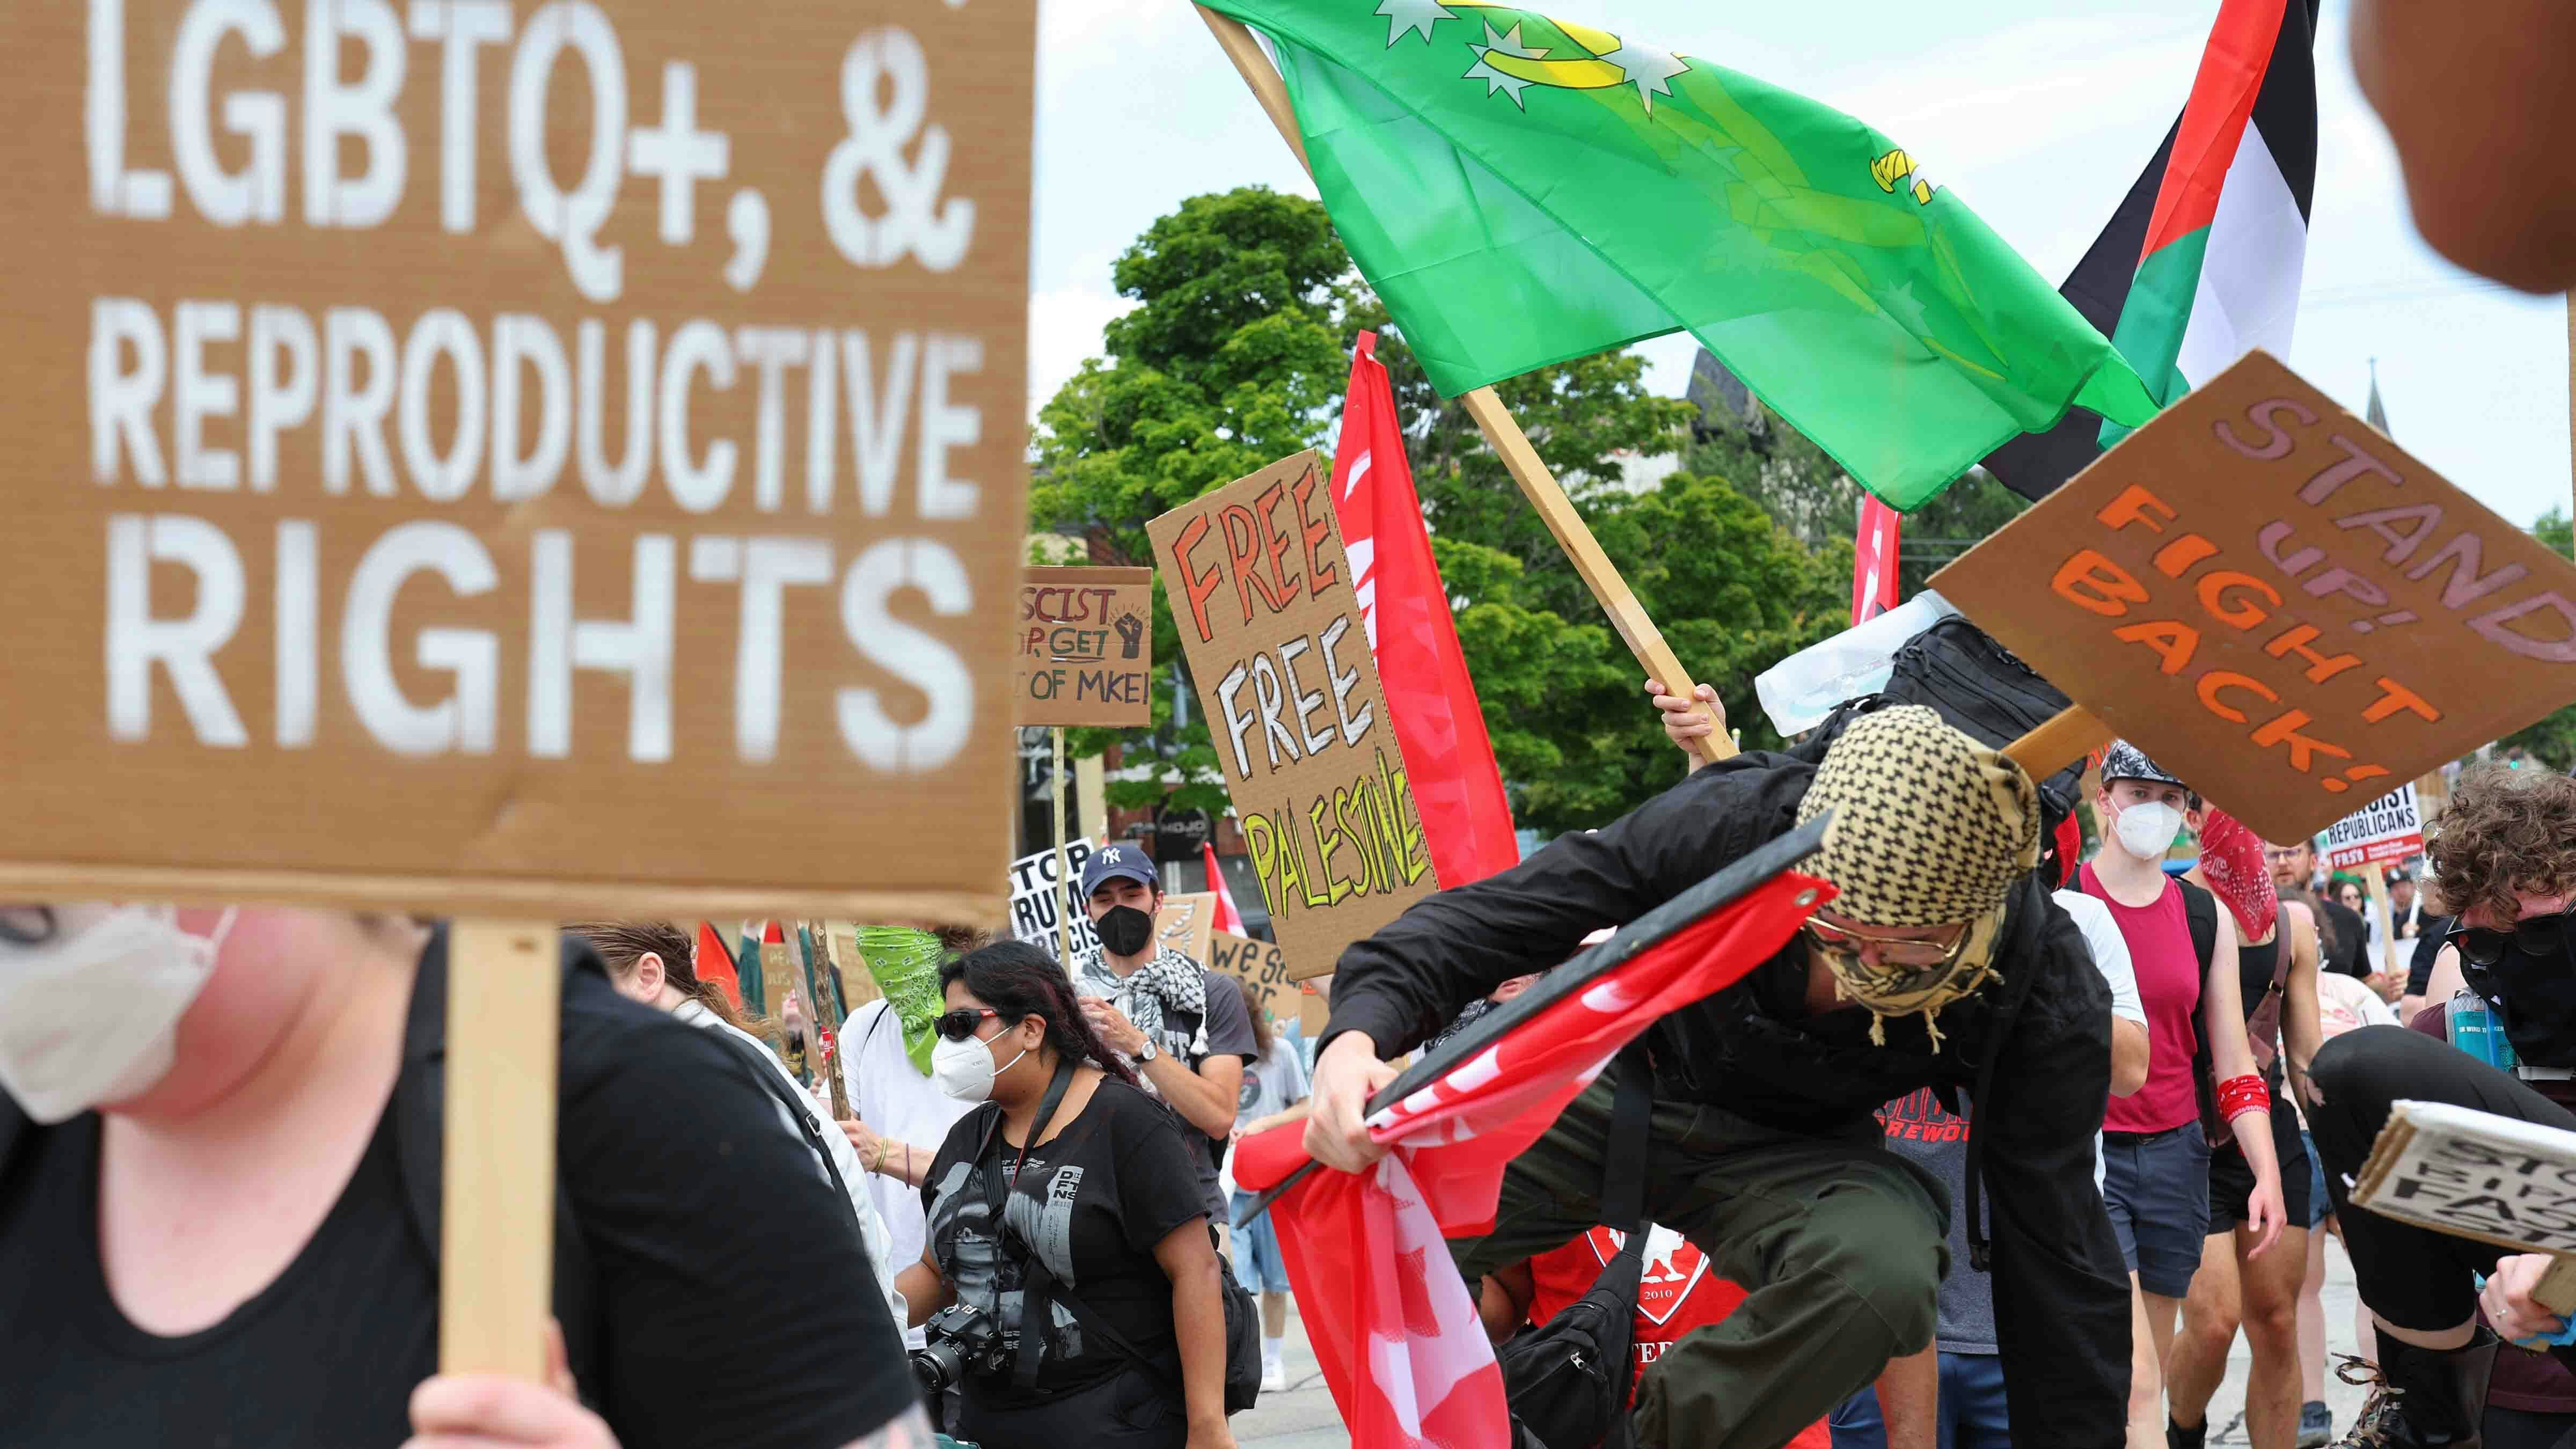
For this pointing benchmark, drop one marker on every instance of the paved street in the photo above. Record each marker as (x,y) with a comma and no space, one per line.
(1303,1417)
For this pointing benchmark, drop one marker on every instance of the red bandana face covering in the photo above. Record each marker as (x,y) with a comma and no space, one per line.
(2232,858)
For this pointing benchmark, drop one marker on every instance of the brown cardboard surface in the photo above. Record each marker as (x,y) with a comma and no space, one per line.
(1186,923)
(1262,592)
(334,367)
(2279,605)
(1263,966)
(1086,647)
(1314,1011)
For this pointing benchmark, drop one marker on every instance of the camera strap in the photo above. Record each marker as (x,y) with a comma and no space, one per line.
(1034,1279)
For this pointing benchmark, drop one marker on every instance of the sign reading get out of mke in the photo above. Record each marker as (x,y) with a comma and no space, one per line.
(514,458)
(2278,604)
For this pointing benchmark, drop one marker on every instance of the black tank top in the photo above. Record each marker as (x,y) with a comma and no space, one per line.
(2254,966)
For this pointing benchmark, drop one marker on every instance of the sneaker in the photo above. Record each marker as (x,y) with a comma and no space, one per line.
(1274,1378)
(2316,1425)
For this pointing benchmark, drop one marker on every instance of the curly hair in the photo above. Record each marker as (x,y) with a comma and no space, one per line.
(2506,833)
(1018,981)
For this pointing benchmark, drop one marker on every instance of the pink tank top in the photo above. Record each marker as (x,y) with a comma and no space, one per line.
(2159,938)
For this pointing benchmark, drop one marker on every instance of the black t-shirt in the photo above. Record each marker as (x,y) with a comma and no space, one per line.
(714,1247)
(359,1305)
(2351,953)
(2428,949)
(1102,1195)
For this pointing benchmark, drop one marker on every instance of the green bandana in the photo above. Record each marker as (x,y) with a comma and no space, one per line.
(905,965)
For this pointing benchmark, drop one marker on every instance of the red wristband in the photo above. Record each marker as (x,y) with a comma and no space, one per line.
(2240,1095)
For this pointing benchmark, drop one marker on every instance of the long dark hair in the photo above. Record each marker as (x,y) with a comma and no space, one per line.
(1261,1033)
(624,943)
(1018,980)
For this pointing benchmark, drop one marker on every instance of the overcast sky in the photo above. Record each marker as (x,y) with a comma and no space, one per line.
(2038,113)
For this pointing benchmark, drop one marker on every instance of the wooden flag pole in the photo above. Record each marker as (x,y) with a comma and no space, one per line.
(1502,434)
(1063,866)
(497,1213)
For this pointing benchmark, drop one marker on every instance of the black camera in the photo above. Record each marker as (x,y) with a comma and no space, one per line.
(961,1340)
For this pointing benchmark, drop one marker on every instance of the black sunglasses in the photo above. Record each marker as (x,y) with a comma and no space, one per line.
(960,1024)
(2532,935)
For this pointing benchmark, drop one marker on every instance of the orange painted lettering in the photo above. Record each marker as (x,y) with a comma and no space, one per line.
(2096,585)
(2218,679)
(2173,641)
(2303,750)
(2393,697)
(2134,505)
(2320,667)
(2213,597)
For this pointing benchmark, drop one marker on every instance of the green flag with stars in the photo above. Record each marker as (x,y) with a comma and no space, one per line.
(1522,190)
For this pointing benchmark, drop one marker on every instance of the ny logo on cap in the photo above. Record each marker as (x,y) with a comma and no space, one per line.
(1112,857)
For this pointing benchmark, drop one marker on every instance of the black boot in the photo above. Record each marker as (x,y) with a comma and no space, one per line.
(2423,1397)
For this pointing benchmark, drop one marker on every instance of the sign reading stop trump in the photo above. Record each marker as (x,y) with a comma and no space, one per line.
(514,458)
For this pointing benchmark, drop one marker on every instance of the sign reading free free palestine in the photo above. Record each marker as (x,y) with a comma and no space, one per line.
(515,459)
(1271,623)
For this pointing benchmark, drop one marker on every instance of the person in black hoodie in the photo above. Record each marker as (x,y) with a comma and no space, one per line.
(1941,963)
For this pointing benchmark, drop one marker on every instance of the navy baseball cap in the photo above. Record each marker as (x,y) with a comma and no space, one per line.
(1119,862)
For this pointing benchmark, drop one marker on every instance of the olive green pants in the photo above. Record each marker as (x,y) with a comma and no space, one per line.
(1838,1243)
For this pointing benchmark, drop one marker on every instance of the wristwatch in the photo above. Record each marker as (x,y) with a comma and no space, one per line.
(1147,1052)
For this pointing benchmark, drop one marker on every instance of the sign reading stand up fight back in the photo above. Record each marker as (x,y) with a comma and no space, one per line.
(515,458)
(1264,598)
(2278,604)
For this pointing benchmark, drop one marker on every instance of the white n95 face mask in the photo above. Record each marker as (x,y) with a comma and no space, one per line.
(2147,830)
(93,1018)
(964,1069)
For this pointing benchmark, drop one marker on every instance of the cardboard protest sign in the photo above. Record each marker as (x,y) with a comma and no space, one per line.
(531,464)
(1086,647)
(2474,1175)
(2389,828)
(1186,924)
(2278,604)
(1263,966)
(1039,899)
(1281,659)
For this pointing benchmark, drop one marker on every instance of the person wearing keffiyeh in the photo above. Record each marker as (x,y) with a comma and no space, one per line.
(1187,1034)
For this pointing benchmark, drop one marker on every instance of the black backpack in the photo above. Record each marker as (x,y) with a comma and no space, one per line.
(1958,671)
(1568,1380)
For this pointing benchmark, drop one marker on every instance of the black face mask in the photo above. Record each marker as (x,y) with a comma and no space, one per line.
(2536,996)
(1125,930)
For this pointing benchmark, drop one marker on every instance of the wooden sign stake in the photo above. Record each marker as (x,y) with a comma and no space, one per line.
(1063,867)
(496,1233)
(1502,434)
(2374,878)
(822,977)
(2061,739)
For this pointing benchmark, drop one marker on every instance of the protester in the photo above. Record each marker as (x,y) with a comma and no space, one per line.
(2243,1280)
(654,962)
(2406,915)
(2159,1157)
(1104,1235)
(1953,1393)
(1273,1085)
(1182,1025)
(1770,1086)
(2505,859)
(2343,1005)
(898,1115)
(2338,926)
(220,1143)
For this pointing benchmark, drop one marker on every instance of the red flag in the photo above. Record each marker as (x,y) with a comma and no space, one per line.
(715,963)
(1450,760)
(1228,919)
(1874,561)
(1391,1323)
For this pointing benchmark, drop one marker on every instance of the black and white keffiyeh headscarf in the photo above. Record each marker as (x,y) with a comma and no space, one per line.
(1169,983)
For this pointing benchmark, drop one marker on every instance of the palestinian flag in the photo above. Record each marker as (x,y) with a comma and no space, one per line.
(1522,190)
(2201,262)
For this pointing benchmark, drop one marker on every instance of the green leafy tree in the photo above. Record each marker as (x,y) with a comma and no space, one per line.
(1236,355)
(2551,739)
